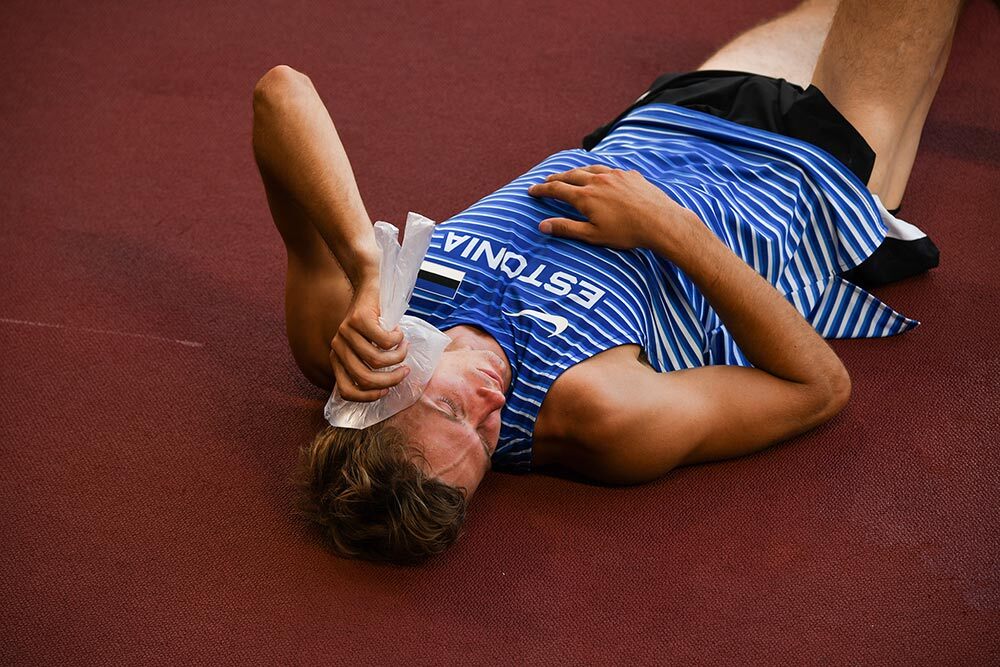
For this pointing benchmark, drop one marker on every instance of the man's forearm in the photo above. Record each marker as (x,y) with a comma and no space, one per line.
(295,140)
(768,329)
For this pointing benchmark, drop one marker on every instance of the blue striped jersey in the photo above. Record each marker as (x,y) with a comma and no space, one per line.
(787,208)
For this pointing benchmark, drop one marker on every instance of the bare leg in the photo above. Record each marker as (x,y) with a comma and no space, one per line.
(784,48)
(906,148)
(880,66)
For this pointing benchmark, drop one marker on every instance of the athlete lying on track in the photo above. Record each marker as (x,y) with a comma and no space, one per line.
(657,298)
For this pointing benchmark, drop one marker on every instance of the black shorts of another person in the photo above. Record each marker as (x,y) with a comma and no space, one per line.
(778,106)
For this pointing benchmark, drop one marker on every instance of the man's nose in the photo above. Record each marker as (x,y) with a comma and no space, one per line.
(492,398)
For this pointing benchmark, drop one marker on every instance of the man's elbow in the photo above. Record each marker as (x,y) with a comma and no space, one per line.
(318,374)
(838,393)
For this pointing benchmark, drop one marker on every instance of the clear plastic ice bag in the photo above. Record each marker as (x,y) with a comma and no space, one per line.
(397,276)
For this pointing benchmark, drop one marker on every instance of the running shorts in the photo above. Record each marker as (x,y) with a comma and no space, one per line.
(778,106)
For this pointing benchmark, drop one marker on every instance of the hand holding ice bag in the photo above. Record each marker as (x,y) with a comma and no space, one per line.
(362,349)
(372,384)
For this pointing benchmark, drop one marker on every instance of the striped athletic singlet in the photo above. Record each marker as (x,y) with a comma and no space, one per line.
(787,208)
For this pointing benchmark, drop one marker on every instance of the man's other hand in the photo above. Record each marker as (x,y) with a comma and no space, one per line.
(622,209)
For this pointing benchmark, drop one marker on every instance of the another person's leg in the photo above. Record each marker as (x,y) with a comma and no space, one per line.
(785,47)
(880,66)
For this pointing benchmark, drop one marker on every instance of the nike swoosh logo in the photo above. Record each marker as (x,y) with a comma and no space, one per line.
(558,321)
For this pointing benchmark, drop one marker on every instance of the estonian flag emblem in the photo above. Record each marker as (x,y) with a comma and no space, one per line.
(438,279)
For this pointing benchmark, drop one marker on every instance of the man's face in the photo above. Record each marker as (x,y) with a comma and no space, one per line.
(456,422)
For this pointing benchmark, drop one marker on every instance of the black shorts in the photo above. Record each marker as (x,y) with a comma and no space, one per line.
(778,106)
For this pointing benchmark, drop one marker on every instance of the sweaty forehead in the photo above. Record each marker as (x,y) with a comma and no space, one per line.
(442,440)
(417,414)
(427,424)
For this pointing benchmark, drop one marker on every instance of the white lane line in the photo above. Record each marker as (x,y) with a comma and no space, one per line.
(188,343)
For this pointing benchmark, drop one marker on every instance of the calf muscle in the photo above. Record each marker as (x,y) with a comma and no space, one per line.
(875,66)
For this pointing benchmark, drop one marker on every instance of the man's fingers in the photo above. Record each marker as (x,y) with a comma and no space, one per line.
(358,331)
(558,190)
(566,228)
(568,185)
(363,377)
(347,388)
(573,177)
(372,331)
(374,356)
(579,175)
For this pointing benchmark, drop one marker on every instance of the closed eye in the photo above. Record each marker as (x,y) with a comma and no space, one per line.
(455,410)
(454,407)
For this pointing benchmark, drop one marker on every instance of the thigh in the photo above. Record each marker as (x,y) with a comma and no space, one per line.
(785,47)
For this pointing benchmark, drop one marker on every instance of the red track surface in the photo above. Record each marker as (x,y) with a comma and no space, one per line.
(150,408)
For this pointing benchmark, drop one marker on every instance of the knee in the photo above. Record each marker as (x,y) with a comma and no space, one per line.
(278,84)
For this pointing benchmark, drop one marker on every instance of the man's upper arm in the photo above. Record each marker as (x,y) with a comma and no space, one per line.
(315,302)
(653,422)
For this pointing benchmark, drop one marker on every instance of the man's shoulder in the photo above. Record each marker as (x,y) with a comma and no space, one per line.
(580,400)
